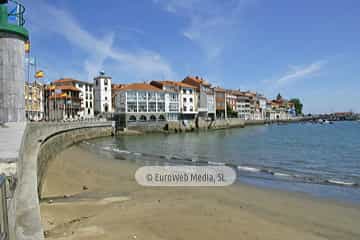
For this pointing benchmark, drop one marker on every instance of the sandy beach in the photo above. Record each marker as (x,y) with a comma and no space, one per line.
(92,197)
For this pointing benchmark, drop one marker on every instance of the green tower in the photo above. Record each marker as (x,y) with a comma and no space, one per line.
(13,37)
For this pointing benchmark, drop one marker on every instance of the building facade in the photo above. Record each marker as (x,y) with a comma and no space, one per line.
(141,102)
(243,107)
(231,99)
(87,99)
(86,95)
(206,96)
(220,99)
(34,101)
(181,96)
(102,94)
(63,103)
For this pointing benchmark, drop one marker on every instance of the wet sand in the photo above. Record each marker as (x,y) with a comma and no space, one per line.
(103,201)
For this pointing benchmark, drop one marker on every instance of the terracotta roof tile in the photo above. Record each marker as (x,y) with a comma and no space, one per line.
(139,86)
(174,83)
(69,88)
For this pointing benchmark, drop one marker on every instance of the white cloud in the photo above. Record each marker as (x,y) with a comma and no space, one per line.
(297,73)
(211,23)
(141,63)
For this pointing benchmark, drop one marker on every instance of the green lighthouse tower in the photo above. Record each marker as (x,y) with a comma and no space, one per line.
(13,37)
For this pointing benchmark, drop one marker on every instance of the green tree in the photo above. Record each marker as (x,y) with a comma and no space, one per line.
(230,112)
(298,105)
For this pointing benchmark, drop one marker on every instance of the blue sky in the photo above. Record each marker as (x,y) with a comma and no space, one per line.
(307,49)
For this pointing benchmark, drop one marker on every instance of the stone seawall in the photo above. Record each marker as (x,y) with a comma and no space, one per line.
(200,125)
(41,142)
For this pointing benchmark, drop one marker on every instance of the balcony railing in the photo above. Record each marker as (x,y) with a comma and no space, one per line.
(17,11)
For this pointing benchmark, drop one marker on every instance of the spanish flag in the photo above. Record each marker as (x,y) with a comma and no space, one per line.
(27,46)
(39,74)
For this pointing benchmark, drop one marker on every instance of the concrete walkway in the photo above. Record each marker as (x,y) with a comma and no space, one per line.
(11,135)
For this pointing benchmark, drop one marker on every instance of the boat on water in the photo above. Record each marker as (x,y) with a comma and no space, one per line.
(328,122)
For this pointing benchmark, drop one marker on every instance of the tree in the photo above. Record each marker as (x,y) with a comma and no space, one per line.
(298,105)
(230,112)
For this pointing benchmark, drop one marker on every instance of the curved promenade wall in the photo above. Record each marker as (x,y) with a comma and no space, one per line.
(40,144)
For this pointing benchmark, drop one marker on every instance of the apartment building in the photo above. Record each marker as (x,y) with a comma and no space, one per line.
(179,95)
(220,99)
(231,99)
(34,101)
(243,107)
(206,96)
(62,103)
(86,95)
(260,107)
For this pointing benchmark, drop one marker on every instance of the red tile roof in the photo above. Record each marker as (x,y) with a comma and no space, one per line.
(174,83)
(198,80)
(65,80)
(139,86)
(218,89)
(68,88)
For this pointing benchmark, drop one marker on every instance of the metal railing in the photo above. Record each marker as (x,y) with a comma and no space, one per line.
(18,13)
(4,225)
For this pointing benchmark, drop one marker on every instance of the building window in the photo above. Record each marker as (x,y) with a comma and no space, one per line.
(190,91)
(152,106)
(152,96)
(131,107)
(131,96)
(143,118)
(191,109)
(152,118)
(90,104)
(87,105)
(105,98)
(161,107)
(185,109)
(184,91)
(161,97)
(173,107)
(96,82)
(105,82)
(162,118)
(105,89)
(142,96)
(191,100)
(174,97)
(184,100)
(142,107)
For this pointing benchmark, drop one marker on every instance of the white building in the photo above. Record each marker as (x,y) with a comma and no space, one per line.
(181,96)
(205,94)
(87,99)
(260,107)
(243,107)
(102,94)
(142,102)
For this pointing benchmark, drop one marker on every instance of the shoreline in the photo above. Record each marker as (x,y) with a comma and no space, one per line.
(113,206)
